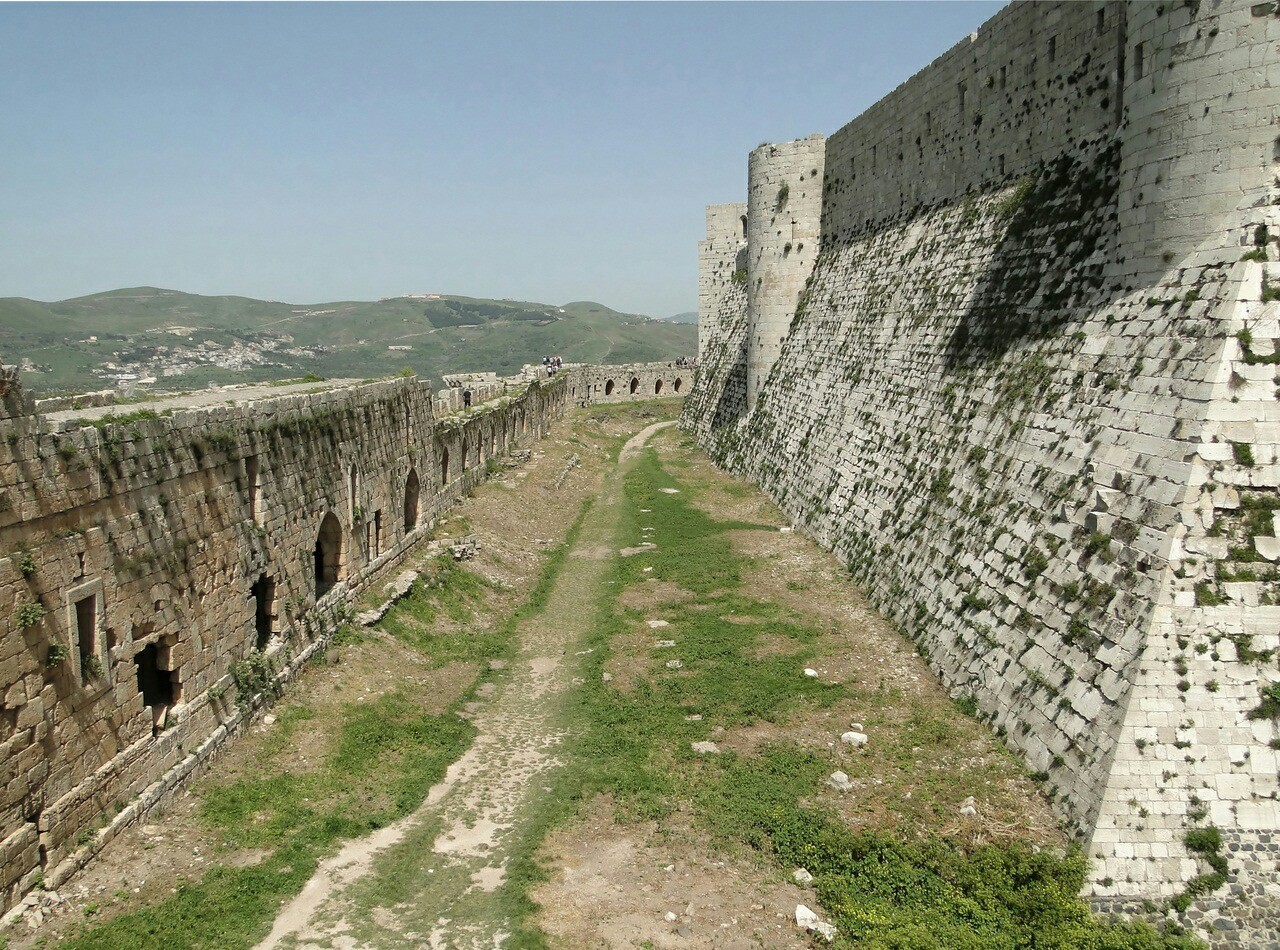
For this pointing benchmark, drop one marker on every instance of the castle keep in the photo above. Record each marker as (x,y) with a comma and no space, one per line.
(1006,344)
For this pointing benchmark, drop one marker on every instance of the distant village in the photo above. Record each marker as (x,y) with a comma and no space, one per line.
(129,368)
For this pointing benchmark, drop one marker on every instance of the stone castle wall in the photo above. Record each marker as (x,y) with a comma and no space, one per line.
(722,262)
(144,559)
(628,383)
(1014,398)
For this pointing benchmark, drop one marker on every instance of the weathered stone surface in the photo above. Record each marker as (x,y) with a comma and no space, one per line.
(1014,396)
(156,551)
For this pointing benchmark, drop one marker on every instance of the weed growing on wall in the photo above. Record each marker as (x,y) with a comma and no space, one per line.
(29,614)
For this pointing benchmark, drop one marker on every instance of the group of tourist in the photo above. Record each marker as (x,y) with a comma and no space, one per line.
(552,364)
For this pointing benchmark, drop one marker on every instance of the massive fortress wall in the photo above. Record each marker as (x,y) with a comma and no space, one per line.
(1014,395)
(143,559)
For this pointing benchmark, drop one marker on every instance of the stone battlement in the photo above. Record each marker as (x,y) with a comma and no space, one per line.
(1025,391)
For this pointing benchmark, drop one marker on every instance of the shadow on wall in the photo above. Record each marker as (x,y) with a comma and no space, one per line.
(732,404)
(1046,265)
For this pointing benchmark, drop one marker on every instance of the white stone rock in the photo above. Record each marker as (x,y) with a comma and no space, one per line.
(669,491)
(840,782)
(1268,547)
(670,917)
(655,624)
(706,748)
(969,808)
(664,644)
(674,664)
(268,720)
(808,920)
(855,739)
(810,672)
(802,876)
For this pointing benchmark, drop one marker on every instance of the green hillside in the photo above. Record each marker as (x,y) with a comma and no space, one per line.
(187,340)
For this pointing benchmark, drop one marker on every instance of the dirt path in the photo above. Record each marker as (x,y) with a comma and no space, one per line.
(434,878)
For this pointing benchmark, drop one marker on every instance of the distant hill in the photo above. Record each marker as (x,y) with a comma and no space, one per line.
(188,340)
(689,316)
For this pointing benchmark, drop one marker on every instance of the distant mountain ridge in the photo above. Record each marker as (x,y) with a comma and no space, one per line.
(169,339)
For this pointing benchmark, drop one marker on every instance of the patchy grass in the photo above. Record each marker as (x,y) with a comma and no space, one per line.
(896,886)
(380,761)
(379,766)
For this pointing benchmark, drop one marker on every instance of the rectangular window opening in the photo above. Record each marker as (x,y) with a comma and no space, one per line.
(1102,20)
(158,685)
(264,609)
(962,89)
(1139,60)
(1004,77)
(377,533)
(253,477)
(1053,48)
(87,638)
(1000,163)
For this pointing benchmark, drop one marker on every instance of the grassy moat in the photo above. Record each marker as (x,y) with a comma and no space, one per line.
(606,627)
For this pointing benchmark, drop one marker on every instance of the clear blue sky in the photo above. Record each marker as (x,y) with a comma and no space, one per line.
(548,152)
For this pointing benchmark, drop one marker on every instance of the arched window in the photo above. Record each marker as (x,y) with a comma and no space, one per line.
(677,384)
(608,387)
(444,465)
(328,555)
(744,227)
(635,385)
(411,488)
(657,387)
(463,454)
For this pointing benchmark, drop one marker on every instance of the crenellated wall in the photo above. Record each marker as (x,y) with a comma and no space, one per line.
(146,557)
(1014,397)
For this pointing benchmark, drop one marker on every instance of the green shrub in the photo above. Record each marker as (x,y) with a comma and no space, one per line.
(1207,844)
(1243,453)
(253,675)
(29,614)
(1206,596)
(26,563)
(1269,707)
